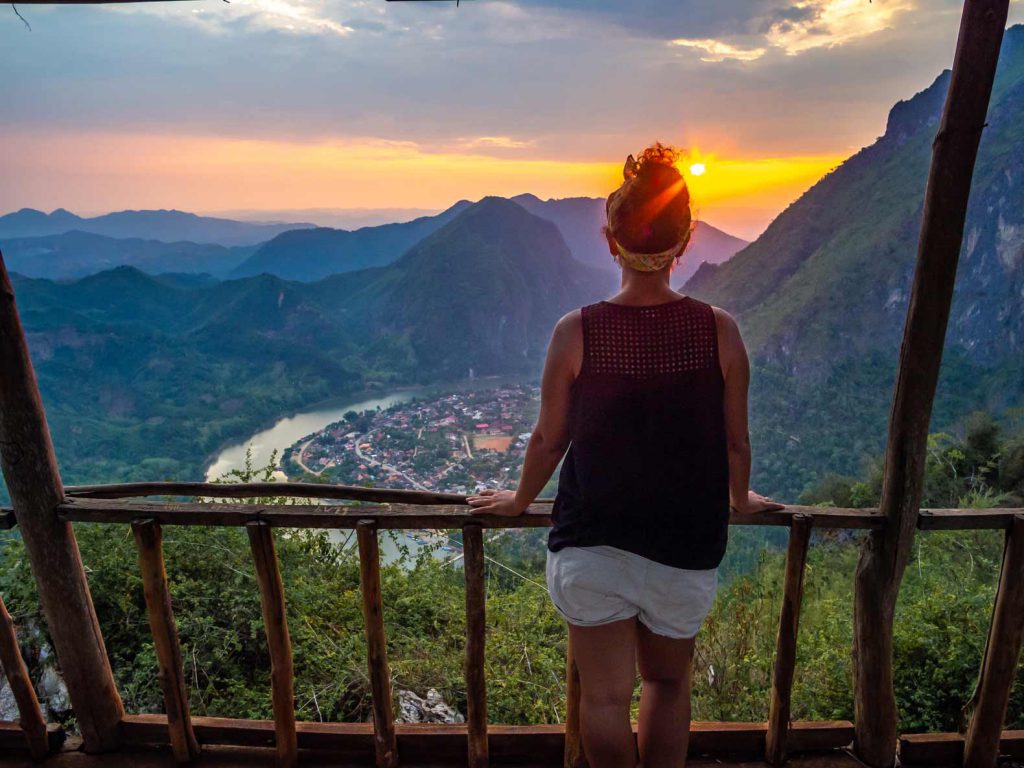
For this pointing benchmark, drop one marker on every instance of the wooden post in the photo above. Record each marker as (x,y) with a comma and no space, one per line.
(261,539)
(785,644)
(886,551)
(1002,652)
(30,469)
(30,714)
(476,623)
(149,540)
(385,746)
(573,756)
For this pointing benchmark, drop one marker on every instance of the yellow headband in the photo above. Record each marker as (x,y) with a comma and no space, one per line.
(650,262)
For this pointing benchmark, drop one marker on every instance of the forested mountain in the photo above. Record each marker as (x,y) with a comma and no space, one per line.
(482,292)
(316,253)
(166,226)
(144,376)
(822,294)
(77,254)
(580,220)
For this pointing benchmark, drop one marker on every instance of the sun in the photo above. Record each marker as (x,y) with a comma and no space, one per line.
(697,169)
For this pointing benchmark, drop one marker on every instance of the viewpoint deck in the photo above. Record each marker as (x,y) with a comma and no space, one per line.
(71,756)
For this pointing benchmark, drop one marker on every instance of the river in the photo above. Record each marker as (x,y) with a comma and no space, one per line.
(290,429)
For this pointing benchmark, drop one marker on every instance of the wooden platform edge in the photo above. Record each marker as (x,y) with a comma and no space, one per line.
(447,742)
(938,749)
(13,738)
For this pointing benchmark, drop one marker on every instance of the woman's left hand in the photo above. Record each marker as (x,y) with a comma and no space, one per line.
(494,503)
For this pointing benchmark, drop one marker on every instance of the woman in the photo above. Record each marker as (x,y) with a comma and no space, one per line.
(648,392)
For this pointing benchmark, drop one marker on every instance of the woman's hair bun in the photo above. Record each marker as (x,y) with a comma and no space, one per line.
(655,155)
(650,211)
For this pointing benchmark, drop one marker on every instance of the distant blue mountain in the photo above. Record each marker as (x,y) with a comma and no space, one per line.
(77,254)
(313,254)
(166,226)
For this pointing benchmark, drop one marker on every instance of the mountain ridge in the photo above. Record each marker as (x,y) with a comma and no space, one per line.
(165,225)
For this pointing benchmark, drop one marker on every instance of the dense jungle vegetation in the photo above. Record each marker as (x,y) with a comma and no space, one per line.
(941,620)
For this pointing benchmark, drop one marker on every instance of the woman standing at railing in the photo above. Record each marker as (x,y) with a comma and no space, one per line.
(648,392)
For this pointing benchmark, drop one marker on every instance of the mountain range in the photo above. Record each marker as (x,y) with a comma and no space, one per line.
(144,376)
(822,294)
(580,220)
(147,375)
(166,226)
(77,254)
(62,245)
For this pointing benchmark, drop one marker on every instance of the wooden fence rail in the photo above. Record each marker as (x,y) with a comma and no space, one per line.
(785,644)
(149,541)
(412,509)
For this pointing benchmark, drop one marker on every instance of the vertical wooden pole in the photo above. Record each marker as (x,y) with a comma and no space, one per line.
(886,552)
(785,644)
(30,714)
(1002,653)
(384,742)
(573,757)
(261,539)
(149,541)
(30,469)
(476,623)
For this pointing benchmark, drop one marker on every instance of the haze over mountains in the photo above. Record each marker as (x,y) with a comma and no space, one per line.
(61,245)
(163,225)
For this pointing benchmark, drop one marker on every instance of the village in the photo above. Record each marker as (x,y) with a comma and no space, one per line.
(459,442)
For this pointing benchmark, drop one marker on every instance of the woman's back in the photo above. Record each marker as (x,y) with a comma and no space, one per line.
(647,467)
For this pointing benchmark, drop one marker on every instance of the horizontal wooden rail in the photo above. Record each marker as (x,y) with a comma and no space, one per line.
(966,519)
(384,516)
(14,737)
(942,749)
(445,743)
(250,490)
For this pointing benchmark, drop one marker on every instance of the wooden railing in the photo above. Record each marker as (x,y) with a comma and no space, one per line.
(476,741)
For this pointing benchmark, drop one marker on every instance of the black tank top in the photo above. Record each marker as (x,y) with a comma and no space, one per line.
(647,468)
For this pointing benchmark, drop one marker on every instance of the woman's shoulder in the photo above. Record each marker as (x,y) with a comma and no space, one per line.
(570,324)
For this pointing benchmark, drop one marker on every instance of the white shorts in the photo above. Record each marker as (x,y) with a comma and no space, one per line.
(596,585)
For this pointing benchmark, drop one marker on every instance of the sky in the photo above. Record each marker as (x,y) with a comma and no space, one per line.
(281,105)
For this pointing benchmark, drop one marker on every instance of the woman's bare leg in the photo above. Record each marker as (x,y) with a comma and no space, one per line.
(664,728)
(606,659)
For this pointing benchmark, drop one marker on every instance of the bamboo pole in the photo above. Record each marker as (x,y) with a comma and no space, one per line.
(1002,653)
(149,541)
(573,757)
(385,746)
(261,539)
(33,481)
(476,623)
(886,552)
(785,644)
(30,714)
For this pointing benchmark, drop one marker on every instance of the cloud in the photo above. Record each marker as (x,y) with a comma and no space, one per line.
(800,27)
(826,23)
(300,17)
(495,142)
(718,50)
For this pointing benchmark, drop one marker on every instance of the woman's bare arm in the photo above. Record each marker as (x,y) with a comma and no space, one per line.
(736,372)
(550,437)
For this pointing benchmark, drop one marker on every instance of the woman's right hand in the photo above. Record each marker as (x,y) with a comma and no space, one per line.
(754,503)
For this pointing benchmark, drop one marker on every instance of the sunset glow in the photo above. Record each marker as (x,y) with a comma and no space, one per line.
(97,172)
(282,105)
